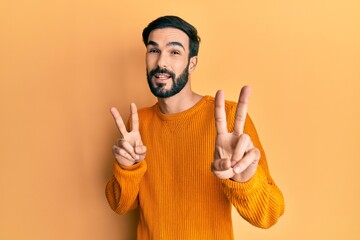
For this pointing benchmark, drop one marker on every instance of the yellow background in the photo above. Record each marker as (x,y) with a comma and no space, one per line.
(63,64)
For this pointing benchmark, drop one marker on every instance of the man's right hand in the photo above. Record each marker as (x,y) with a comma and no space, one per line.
(128,149)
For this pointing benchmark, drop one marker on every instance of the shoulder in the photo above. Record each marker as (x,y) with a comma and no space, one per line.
(229,105)
(147,111)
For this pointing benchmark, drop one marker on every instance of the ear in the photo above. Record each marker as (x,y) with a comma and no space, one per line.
(193,62)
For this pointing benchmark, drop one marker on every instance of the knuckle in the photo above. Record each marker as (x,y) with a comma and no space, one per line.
(255,152)
(119,142)
(239,117)
(123,153)
(216,165)
(222,165)
(245,137)
(220,120)
(140,149)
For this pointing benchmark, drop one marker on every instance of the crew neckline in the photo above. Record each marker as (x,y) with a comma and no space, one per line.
(183,114)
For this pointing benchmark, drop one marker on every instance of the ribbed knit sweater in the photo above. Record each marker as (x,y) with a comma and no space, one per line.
(178,195)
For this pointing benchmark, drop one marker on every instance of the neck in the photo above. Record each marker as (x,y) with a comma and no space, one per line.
(180,102)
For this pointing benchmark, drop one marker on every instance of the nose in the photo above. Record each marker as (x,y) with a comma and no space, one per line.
(162,61)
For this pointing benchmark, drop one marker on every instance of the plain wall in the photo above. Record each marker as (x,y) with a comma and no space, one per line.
(63,64)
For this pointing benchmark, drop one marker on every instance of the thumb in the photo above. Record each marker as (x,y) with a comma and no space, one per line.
(140,149)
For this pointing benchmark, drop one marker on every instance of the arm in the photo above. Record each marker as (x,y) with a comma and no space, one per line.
(258,200)
(123,188)
(241,164)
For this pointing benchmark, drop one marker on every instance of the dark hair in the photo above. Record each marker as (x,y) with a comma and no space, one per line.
(175,22)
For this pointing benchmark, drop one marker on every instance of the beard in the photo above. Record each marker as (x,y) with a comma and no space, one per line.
(177,83)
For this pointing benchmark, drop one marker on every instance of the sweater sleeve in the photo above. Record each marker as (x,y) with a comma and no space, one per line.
(259,200)
(123,188)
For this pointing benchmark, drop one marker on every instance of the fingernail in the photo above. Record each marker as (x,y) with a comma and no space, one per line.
(237,170)
(140,149)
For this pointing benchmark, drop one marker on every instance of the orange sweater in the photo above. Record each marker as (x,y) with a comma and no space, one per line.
(178,196)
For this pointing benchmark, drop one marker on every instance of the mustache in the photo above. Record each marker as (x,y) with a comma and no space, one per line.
(161,70)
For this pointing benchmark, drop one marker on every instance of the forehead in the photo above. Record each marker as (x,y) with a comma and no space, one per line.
(163,36)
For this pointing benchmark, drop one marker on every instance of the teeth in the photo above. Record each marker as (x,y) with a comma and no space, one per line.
(162,76)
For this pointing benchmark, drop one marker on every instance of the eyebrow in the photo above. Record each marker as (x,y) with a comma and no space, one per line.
(168,44)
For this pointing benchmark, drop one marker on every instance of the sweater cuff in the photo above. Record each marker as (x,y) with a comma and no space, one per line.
(245,188)
(131,171)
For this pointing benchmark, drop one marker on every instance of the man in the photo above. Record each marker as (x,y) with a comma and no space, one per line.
(186,159)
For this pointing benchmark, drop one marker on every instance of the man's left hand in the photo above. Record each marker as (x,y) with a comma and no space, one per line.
(235,155)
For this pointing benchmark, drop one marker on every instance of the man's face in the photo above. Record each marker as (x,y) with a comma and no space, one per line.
(167,61)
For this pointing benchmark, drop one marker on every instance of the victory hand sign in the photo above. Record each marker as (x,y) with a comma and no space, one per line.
(129,149)
(235,155)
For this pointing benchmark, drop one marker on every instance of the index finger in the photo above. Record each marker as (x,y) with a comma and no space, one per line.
(241,110)
(220,115)
(134,117)
(119,122)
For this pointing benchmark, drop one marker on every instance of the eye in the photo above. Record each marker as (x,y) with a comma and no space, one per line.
(153,50)
(175,52)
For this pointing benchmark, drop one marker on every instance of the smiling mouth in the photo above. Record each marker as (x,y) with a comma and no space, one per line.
(162,76)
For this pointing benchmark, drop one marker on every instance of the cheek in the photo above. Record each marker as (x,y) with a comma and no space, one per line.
(180,67)
(150,62)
